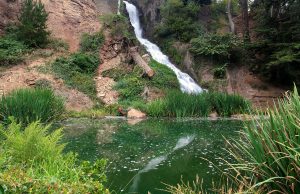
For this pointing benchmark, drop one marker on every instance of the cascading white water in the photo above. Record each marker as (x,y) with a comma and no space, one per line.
(187,84)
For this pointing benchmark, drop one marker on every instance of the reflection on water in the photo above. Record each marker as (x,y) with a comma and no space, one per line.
(144,156)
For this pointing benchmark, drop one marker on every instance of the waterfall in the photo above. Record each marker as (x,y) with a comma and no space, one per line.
(187,84)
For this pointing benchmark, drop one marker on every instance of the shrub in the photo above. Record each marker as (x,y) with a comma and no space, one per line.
(268,153)
(33,28)
(91,42)
(11,51)
(179,20)
(220,72)
(35,162)
(78,71)
(214,45)
(28,105)
(43,84)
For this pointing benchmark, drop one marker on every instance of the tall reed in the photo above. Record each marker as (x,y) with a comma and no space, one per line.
(268,154)
(178,104)
(28,105)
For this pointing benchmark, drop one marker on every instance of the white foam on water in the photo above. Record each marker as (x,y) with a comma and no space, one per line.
(187,84)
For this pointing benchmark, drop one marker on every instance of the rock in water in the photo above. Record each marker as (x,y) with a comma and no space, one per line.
(133,113)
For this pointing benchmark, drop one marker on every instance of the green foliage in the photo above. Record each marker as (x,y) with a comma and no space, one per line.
(28,105)
(32,29)
(178,104)
(43,84)
(227,105)
(164,76)
(179,20)
(214,45)
(278,39)
(119,26)
(220,72)
(34,162)
(58,45)
(11,51)
(91,42)
(268,154)
(77,71)
(130,84)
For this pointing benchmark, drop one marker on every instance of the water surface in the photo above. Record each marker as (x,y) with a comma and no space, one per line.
(145,156)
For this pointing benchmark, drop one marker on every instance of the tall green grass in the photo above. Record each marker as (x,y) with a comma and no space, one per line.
(33,162)
(178,104)
(28,105)
(268,155)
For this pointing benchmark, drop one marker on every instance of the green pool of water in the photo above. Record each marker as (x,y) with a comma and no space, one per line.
(147,155)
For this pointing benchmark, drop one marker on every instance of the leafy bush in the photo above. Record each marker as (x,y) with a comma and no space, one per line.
(11,51)
(268,154)
(91,42)
(32,29)
(214,44)
(179,20)
(220,72)
(77,71)
(28,105)
(35,162)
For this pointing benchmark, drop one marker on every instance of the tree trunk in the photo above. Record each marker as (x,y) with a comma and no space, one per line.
(140,62)
(231,23)
(245,16)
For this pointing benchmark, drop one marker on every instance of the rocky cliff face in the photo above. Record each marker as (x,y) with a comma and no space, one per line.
(67,19)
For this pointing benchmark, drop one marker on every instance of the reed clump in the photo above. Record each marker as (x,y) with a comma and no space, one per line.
(28,105)
(268,154)
(178,104)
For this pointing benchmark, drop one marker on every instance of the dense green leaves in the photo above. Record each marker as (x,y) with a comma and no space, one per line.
(278,32)
(32,161)
(78,71)
(28,105)
(11,51)
(32,29)
(91,42)
(179,20)
(214,44)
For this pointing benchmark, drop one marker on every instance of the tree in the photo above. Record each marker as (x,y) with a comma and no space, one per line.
(32,29)
(229,15)
(245,17)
